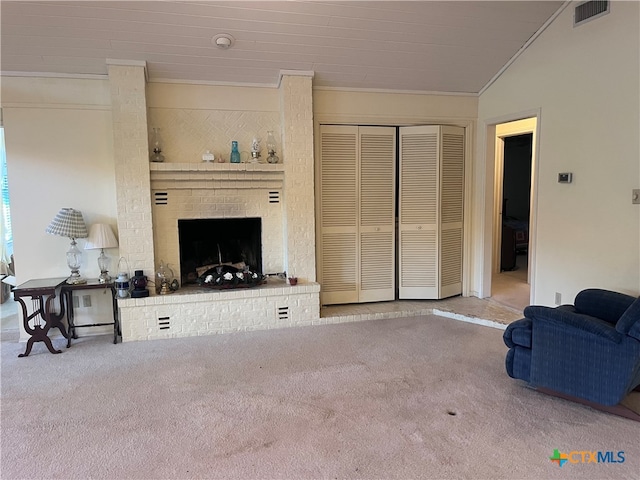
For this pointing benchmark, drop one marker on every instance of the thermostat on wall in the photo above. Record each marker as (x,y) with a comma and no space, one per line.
(565,177)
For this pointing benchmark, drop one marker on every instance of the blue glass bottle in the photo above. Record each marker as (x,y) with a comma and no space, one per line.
(235,154)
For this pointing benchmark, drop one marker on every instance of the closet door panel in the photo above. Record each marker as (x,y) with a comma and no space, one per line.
(418,213)
(418,263)
(452,196)
(377,213)
(450,261)
(338,185)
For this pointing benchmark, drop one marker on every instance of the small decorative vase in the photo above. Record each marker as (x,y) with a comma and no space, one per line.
(235,154)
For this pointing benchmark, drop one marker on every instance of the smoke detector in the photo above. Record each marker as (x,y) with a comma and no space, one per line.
(223,41)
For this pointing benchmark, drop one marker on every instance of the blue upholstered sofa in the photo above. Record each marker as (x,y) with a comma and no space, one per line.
(588,351)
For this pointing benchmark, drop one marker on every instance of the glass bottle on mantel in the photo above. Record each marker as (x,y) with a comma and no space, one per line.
(271,148)
(156,155)
(235,154)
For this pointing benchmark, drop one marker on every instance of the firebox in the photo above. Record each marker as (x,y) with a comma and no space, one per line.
(207,243)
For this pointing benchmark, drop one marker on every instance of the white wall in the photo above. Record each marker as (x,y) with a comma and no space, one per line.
(360,107)
(585,83)
(59,154)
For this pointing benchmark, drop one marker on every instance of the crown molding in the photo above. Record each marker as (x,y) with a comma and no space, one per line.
(395,91)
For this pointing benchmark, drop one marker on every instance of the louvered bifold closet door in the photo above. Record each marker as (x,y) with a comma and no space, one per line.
(451,201)
(418,213)
(338,188)
(377,213)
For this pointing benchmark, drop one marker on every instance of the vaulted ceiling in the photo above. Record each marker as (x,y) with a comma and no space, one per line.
(447,46)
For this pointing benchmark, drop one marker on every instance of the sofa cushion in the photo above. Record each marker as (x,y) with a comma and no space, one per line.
(629,323)
(518,333)
(603,304)
(518,363)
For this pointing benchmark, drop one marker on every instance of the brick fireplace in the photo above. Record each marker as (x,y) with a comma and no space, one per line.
(153,198)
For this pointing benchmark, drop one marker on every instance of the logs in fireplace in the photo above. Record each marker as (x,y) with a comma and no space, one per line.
(233,243)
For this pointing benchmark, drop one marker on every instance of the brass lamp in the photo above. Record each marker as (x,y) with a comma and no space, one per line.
(101,236)
(69,223)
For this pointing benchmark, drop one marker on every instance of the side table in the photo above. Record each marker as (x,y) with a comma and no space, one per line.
(42,293)
(92,284)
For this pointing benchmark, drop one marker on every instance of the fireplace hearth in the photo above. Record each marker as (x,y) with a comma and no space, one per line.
(207,243)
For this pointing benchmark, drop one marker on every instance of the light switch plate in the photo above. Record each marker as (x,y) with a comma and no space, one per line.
(635,196)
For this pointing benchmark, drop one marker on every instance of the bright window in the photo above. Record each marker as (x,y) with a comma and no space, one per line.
(5,221)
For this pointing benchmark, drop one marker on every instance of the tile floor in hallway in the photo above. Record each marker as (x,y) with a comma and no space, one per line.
(464,308)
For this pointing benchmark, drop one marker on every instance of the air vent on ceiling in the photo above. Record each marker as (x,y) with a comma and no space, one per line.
(588,11)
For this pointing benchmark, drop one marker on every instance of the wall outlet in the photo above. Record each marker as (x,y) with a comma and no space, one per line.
(86,300)
(558,298)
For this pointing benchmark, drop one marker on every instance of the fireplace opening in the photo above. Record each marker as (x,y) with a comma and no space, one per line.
(207,243)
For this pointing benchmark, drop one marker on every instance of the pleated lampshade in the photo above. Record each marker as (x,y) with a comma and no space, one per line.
(68,223)
(101,236)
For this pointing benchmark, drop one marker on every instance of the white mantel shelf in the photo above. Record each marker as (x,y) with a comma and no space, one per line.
(216,175)
(215,167)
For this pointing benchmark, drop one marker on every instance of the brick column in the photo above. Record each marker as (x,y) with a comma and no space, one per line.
(296,107)
(131,154)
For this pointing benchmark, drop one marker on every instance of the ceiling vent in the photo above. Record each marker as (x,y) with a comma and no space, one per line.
(587,11)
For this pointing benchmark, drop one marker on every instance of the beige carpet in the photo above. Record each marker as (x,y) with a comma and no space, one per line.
(423,397)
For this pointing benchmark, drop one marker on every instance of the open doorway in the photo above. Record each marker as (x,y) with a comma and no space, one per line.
(510,282)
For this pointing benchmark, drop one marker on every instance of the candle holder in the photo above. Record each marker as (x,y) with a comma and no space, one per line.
(156,155)
(271,148)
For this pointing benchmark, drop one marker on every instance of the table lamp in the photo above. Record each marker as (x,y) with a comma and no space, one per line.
(101,236)
(69,223)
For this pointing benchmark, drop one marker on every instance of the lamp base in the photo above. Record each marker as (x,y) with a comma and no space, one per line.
(105,277)
(76,279)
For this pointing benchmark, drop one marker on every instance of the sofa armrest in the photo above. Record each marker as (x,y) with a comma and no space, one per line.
(579,321)
(629,323)
(603,304)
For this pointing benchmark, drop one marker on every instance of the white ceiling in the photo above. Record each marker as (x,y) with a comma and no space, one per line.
(448,46)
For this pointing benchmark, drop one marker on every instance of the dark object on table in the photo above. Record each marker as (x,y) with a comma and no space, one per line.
(588,352)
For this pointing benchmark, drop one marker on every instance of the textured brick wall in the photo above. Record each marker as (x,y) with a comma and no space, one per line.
(190,314)
(218,203)
(131,156)
(297,126)
(187,133)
